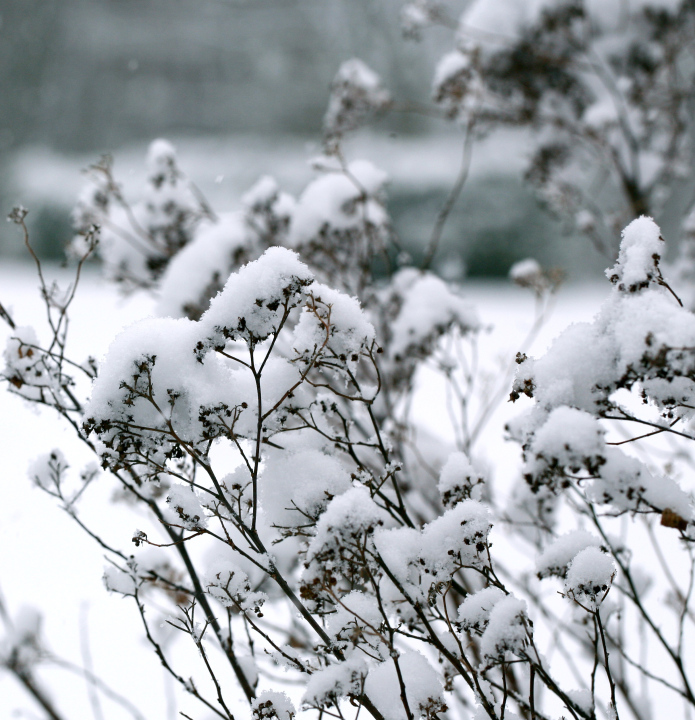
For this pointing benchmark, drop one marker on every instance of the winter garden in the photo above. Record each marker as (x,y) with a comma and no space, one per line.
(318,482)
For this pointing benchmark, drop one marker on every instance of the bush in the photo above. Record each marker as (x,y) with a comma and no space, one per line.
(371,561)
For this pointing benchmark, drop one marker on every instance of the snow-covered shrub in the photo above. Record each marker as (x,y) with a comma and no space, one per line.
(261,425)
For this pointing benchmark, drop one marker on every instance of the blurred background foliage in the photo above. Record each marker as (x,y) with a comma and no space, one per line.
(240,86)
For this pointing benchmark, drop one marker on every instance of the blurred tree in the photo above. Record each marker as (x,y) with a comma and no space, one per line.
(605,90)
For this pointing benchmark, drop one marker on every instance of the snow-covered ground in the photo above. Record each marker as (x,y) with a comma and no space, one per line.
(225,167)
(47,562)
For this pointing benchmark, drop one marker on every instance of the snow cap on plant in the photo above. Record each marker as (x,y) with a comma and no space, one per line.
(640,252)
(255,300)
(589,577)
(556,558)
(423,688)
(328,686)
(474,611)
(506,631)
(458,480)
(271,705)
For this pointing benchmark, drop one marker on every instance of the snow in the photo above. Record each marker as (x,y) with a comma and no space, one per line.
(423,688)
(297,486)
(425,560)
(259,293)
(265,190)
(640,251)
(576,365)
(428,307)
(120,581)
(474,611)
(415,16)
(22,642)
(230,586)
(270,705)
(184,508)
(638,340)
(583,699)
(399,547)
(449,66)
(568,437)
(356,92)
(526,273)
(627,484)
(457,86)
(458,537)
(506,631)
(29,370)
(137,239)
(357,620)
(206,260)
(154,358)
(338,199)
(348,522)
(328,685)
(161,158)
(556,557)
(350,515)
(458,480)
(589,577)
(335,324)
(505,18)
(493,303)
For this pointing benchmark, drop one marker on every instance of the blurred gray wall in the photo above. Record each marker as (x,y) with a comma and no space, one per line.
(90,74)
(83,77)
